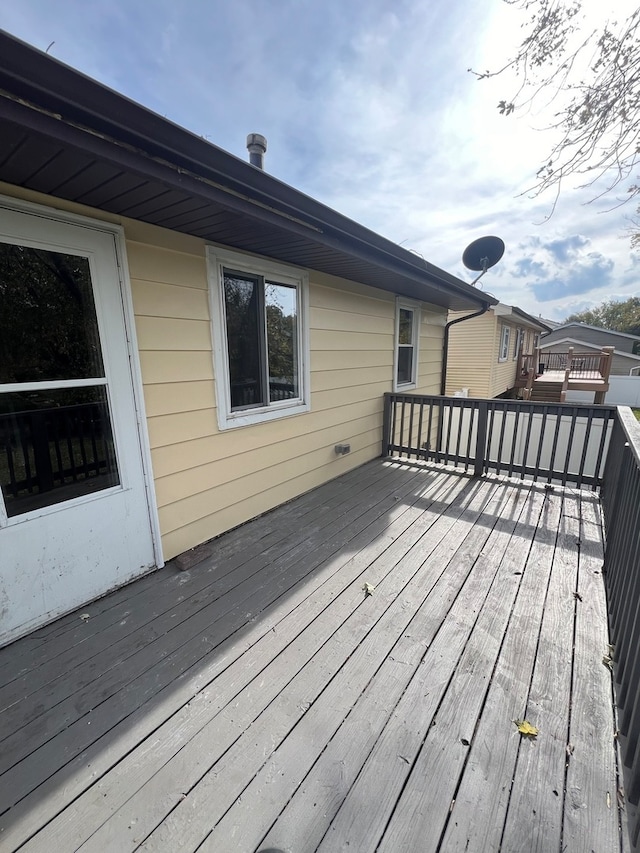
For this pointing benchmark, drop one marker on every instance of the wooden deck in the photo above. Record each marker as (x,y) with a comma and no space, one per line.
(264,700)
(585,380)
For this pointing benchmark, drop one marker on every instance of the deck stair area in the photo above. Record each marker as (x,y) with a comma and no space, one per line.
(546,392)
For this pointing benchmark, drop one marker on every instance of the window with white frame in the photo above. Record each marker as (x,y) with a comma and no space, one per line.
(260,336)
(505,337)
(518,341)
(407,339)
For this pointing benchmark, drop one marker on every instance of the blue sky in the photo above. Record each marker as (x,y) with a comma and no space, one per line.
(368,107)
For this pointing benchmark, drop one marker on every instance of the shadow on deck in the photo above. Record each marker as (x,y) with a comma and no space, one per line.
(265,700)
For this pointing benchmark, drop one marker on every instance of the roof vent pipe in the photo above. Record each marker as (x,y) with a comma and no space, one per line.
(257,148)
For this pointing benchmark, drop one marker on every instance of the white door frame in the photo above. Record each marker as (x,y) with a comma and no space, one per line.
(117,231)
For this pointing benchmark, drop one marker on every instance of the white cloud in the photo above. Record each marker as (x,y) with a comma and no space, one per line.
(367,107)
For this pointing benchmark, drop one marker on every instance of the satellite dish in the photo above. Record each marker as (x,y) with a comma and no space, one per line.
(483,253)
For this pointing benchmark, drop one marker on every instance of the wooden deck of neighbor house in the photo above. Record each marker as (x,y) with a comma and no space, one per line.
(549,375)
(263,699)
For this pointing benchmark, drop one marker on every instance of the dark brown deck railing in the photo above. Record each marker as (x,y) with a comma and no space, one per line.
(544,441)
(620,496)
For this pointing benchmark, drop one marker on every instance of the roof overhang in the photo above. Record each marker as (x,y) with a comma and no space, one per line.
(520,316)
(562,326)
(68,136)
(575,342)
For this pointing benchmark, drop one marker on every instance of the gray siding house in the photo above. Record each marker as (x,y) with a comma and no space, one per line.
(580,336)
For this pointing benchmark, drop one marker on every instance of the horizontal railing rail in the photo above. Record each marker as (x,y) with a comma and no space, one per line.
(581,365)
(620,497)
(555,442)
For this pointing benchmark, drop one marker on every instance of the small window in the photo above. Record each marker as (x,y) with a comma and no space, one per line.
(407,338)
(260,353)
(518,341)
(504,343)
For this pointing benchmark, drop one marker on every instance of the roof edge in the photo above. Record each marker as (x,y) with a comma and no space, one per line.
(46,83)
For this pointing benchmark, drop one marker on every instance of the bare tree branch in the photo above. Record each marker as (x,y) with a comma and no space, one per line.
(595,77)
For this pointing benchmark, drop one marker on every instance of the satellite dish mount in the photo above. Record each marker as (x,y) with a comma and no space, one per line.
(482,254)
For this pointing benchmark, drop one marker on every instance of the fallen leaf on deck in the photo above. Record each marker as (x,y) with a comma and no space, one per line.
(620,796)
(525,728)
(368,589)
(85,616)
(608,662)
(577,596)
(464,741)
(570,748)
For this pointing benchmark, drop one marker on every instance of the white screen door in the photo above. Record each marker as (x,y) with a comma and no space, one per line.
(74,515)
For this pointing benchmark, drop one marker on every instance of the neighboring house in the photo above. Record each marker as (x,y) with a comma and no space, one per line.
(584,338)
(483,351)
(185,341)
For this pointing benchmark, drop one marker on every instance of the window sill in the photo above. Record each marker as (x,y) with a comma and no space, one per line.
(234,420)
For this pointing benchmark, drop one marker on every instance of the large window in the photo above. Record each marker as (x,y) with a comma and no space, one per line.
(56,442)
(407,339)
(259,317)
(505,337)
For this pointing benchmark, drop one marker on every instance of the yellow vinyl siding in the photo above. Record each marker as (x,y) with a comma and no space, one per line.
(160,367)
(503,375)
(163,265)
(430,351)
(201,451)
(207,481)
(154,299)
(227,477)
(472,354)
(174,397)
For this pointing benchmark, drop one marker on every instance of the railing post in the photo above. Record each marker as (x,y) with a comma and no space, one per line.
(481,438)
(41,452)
(531,375)
(386,425)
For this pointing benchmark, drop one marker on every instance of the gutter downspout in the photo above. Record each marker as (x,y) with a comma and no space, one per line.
(445,343)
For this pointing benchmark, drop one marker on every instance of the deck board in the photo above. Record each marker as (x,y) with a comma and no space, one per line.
(262,700)
(538,784)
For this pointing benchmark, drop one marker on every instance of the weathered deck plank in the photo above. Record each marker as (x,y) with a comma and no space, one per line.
(592,776)
(534,816)
(69,646)
(367,821)
(262,700)
(477,817)
(283,689)
(432,786)
(47,643)
(428,574)
(160,679)
(229,600)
